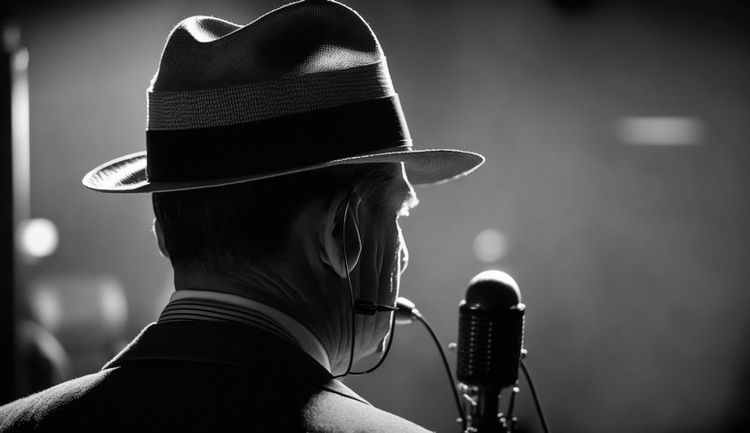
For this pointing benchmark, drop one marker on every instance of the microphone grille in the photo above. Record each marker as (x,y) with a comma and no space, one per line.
(489,345)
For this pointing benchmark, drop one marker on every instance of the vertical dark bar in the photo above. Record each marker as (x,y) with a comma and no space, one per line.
(7,229)
(14,194)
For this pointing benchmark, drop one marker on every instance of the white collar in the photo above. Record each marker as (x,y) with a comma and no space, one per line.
(303,336)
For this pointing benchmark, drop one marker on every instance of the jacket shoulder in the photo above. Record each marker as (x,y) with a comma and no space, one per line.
(28,412)
(334,411)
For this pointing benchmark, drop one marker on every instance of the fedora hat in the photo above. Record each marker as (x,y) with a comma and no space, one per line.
(301,88)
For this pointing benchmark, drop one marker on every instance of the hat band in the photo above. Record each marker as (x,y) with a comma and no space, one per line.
(275,145)
(268,99)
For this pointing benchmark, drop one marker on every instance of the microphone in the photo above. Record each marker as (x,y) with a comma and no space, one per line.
(490,340)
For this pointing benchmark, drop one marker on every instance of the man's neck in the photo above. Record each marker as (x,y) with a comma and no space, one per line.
(252,285)
(309,305)
(189,304)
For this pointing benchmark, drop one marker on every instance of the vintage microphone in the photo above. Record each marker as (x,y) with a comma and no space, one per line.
(490,350)
(490,340)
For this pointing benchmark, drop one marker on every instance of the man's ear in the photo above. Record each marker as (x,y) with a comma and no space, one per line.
(159,237)
(332,237)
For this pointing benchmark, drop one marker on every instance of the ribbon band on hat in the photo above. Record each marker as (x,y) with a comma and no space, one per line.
(188,109)
(260,147)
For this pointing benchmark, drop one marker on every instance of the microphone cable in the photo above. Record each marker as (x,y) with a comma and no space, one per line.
(404,309)
(526,374)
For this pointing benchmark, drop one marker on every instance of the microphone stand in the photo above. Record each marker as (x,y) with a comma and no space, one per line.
(481,411)
(509,418)
(482,414)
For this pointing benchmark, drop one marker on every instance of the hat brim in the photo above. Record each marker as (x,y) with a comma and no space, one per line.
(127,174)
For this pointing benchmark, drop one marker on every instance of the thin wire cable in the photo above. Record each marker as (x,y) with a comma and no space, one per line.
(536,400)
(353,309)
(351,290)
(385,353)
(460,408)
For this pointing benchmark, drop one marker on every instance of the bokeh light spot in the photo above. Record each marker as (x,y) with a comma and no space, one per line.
(490,246)
(38,237)
(660,131)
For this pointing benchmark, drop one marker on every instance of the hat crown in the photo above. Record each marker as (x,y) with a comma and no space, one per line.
(302,57)
(301,38)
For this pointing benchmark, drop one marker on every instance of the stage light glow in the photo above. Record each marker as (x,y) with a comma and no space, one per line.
(660,131)
(88,305)
(113,305)
(21,60)
(38,237)
(490,246)
(47,308)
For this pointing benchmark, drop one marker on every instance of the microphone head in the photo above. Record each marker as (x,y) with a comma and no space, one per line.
(490,331)
(493,289)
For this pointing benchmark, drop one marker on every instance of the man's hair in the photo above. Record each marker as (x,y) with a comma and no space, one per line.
(221,229)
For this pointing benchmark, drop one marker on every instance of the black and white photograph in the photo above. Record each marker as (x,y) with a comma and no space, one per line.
(478,216)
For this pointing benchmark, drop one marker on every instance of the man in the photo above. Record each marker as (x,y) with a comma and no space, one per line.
(279,162)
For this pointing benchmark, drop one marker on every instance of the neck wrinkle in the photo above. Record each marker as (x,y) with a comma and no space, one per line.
(337,309)
(313,300)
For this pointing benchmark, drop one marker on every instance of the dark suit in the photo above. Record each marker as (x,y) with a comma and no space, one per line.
(203,376)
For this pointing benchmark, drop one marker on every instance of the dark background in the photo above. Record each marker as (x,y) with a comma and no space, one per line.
(632,259)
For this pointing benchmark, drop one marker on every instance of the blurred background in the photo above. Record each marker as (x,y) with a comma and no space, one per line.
(617,135)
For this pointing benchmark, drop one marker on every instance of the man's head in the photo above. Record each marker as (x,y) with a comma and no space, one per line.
(296,225)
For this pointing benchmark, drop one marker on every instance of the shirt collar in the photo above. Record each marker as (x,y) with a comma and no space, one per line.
(221,306)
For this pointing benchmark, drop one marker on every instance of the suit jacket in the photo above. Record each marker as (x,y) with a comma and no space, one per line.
(203,376)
